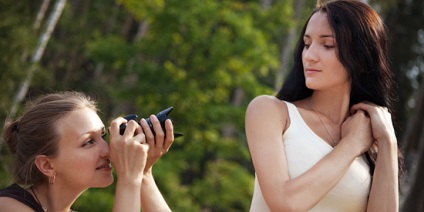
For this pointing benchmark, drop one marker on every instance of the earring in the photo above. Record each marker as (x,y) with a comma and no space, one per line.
(52,179)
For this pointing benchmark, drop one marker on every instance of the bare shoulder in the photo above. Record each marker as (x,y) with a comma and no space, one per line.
(10,204)
(269,107)
(267,102)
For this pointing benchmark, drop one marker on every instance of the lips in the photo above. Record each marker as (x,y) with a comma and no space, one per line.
(311,70)
(106,165)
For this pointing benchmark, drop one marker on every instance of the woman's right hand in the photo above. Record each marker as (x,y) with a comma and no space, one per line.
(128,152)
(356,129)
(159,142)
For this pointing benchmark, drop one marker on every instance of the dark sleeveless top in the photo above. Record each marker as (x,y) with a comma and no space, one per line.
(16,192)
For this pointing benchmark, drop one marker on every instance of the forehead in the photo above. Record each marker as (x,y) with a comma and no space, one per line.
(318,25)
(79,122)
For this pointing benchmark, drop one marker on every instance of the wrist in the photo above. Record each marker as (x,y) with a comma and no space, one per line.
(387,145)
(147,177)
(147,171)
(388,140)
(129,182)
(348,149)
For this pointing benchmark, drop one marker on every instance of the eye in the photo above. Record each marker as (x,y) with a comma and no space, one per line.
(89,142)
(328,46)
(306,46)
(104,135)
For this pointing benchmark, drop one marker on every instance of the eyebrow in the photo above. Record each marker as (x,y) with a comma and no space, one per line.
(102,129)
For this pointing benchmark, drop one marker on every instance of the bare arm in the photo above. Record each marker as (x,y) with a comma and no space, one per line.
(126,196)
(128,154)
(384,195)
(151,198)
(265,122)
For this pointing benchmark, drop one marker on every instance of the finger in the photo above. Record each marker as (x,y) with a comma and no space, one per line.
(159,134)
(130,129)
(361,106)
(150,138)
(368,106)
(169,138)
(140,138)
(114,126)
(360,112)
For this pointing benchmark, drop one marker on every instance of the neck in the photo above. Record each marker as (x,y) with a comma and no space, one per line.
(332,105)
(52,198)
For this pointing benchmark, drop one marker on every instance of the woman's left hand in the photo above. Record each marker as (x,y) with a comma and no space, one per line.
(160,142)
(381,121)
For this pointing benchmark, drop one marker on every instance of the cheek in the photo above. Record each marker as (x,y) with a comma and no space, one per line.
(336,64)
(77,161)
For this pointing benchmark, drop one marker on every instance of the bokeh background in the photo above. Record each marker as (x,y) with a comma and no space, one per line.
(207,59)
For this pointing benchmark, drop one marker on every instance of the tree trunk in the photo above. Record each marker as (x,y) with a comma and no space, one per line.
(286,46)
(38,53)
(265,4)
(410,141)
(415,193)
(40,15)
(413,145)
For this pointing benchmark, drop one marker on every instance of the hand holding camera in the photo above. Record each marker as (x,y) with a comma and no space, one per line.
(162,117)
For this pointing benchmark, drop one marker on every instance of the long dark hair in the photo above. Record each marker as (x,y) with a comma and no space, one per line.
(362,49)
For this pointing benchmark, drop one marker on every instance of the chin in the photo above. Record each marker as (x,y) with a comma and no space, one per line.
(310,86)
(105,182)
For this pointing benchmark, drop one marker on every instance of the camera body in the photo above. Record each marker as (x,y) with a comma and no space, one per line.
(162,117)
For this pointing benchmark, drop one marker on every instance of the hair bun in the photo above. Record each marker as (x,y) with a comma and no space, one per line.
(10,135)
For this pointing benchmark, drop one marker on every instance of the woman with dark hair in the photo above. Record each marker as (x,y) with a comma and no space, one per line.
(59,150)
(314,146)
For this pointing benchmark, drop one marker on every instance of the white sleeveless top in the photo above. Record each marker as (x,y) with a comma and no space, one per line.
(304,149)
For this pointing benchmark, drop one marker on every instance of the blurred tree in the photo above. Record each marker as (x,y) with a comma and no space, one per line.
(15,39)
(405,23)
(197,62)
(207,58)
(38,52)
(414,146)
(287,44)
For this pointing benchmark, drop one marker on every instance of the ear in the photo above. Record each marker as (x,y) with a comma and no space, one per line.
(44,164)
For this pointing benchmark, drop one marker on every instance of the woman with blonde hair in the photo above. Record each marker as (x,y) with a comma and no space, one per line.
(60,151)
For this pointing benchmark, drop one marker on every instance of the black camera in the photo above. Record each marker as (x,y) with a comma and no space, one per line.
(162,117)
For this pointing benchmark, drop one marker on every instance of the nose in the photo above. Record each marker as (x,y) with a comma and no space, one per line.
(105,149)
(310,54)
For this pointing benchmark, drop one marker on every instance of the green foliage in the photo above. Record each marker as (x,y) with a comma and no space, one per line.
(228,187)
(194,56)
(16,41)
(15,46)
(94,200)
(143,56)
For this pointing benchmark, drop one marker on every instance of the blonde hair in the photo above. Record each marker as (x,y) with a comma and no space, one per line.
(35,133)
